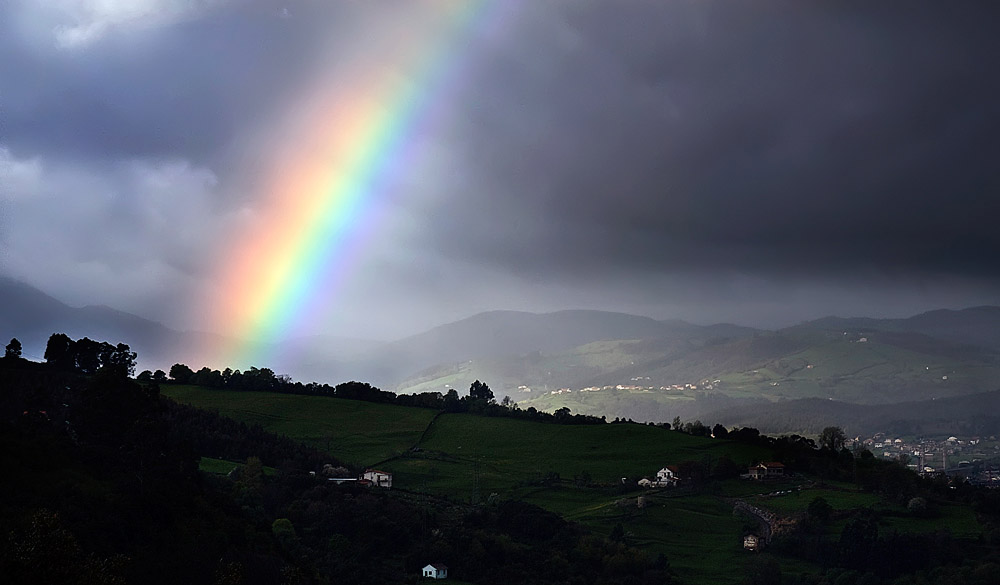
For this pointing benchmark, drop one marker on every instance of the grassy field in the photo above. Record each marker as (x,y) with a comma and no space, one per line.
(462,457)
(510,452)
(794,503)
(355,432)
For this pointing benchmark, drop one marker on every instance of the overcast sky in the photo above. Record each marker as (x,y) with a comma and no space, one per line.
(753,162)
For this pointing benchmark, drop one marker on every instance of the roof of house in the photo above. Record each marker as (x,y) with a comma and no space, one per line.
(438,566)
(377,471)
(772,464)
(673,468)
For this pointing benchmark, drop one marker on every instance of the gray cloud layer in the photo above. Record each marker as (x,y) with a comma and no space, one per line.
(762,162)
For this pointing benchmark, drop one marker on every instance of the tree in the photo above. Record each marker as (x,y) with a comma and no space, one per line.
(86,354)
(451,401)
(13,350)
(832,438)
(181,373)
(122,359)
(480,391)
(284,531)
(59,351)
(819,510)
(719,431)
(858,541)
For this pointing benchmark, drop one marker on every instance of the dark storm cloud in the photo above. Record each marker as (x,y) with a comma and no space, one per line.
(760,137)
(759,162)
(185,90)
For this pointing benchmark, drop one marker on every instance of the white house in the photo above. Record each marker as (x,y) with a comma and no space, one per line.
(438,571)
(667,476)
(378,478)
(766,470)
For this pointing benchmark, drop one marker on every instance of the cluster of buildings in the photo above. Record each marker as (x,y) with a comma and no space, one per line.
(702,385)
(371,477)
(669,476)
(975,458)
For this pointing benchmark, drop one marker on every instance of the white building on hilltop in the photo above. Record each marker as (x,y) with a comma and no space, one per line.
(437,571)
(378,478)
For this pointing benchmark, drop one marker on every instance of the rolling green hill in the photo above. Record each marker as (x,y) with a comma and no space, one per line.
(575,471)
(507,453)
(461,456)
(359,433)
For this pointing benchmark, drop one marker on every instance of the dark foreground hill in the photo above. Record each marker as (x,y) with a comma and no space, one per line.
(102,485)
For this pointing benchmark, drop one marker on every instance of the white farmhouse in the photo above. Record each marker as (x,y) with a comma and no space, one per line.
(378,478)
(667,476)
(437,571)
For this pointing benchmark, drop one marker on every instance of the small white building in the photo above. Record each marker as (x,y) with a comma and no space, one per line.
(378,478)
(435,571)
(668,476)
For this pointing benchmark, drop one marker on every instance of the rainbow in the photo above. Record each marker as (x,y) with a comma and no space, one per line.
(319,202)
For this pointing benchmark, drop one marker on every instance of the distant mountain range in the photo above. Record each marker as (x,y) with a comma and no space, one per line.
(631,366)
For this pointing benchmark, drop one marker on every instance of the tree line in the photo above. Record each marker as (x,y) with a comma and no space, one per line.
(85,356)
(480,399)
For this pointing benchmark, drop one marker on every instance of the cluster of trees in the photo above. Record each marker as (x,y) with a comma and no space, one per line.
(13,350)
(480,399)
(87,356)
(863,552)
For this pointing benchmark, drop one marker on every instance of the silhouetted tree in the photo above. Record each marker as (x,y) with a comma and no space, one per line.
(59,352)
(181,373)
(451,401)
(123,359)
(13,350)
(86,354)
(480,391)
(832,438)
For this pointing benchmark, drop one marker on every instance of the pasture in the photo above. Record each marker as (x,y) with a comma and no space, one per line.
(356,432)
(461,451)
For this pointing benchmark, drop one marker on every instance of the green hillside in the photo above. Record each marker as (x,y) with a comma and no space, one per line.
(462,456)
(510,453)
(575,471)
(356,432)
